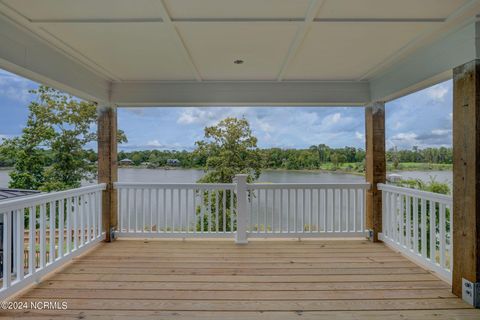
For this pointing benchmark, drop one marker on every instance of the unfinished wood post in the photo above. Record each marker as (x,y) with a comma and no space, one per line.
(375,165)
(466,177)
(107,166)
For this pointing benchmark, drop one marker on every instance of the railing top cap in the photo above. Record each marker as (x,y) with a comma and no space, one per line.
(45,197)
(415,192)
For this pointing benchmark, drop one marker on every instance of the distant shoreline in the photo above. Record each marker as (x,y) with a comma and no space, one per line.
(410,166)
(340,170)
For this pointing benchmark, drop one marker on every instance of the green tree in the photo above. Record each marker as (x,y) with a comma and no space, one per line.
(337,159)
(61,124)
(230,148)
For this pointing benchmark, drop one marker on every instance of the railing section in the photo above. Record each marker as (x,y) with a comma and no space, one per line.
(176,210)
(419,224)
(306,209)
(241,209)
(42,232)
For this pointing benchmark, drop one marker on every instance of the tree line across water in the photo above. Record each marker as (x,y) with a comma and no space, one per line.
(321,157)
(316,157)
(273,158)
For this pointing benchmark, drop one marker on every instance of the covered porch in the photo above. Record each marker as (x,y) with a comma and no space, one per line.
(394,248)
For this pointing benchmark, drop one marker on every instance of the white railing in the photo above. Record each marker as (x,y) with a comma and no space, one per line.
(419,224)
(42,232)
(176,210)
(241,210)
(306,209)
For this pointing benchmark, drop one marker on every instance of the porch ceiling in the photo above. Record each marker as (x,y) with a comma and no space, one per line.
(119,43)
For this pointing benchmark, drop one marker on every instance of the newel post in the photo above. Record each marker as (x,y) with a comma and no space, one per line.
(241,188)
(375,165)
(107,166)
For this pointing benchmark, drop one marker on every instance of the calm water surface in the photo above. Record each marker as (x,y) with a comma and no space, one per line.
(274,176)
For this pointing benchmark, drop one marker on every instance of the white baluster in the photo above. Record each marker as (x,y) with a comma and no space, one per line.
(32,220)
(7,249)
(19,249)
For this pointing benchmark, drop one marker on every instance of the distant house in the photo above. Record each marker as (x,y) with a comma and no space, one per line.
(173,162)
(126,162)
(393,177)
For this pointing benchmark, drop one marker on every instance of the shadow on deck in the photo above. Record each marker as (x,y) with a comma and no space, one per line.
(266,279)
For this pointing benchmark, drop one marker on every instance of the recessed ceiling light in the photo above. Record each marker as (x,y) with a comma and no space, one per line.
(238,61)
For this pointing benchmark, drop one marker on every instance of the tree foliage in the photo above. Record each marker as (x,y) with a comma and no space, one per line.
(229,148)
(50,154)
(442,155)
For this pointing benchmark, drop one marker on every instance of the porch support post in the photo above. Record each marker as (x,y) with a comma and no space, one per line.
(107,166)
(466,181)
(375,165)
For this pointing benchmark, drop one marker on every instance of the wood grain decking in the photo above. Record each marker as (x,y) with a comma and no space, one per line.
(276,279)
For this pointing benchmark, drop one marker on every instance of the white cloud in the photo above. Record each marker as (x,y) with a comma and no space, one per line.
(359,135)
(205,116)
(264,126)
(437,92)
(190,115)
(396,125)
(441,132)
(404,140)
(15,88)
(154,144)
(336,120)
(333,118)
(405,137)
(137,111)
(336,117)
(432,138)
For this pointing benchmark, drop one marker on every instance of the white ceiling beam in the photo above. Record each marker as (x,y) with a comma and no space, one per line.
(179,41)
(232,20)
(428,65)
(25,54)
(312,11)
(227,93)
(97,20)
(380,20)
(460,14)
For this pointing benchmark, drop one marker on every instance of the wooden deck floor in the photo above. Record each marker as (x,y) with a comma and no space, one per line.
(274,279)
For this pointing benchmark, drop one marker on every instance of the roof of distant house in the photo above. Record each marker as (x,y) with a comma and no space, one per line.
(6,193)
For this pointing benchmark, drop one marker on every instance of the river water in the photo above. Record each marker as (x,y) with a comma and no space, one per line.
(273,176)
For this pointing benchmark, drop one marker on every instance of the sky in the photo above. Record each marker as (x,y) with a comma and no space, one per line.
(422,119)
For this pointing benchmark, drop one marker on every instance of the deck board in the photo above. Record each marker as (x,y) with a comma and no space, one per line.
(266,279)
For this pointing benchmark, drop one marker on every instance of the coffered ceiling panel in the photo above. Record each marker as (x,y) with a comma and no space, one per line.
(345,51)
(86,9)
(137,51)
(388,9)
(261,47)
(218,9)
